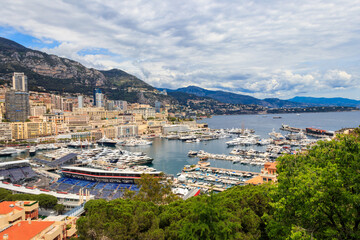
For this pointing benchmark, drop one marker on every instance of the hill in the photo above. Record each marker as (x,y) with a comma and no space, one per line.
(48,72)
(327,101)
(233,98)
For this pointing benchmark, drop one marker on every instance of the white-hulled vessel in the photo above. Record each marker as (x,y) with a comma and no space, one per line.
(32,151)
(80,144)
(104,141)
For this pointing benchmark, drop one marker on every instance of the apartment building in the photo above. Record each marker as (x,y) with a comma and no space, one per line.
(28,130)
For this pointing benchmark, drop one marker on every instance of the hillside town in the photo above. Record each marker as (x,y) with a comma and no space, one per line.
(75,136)
(42,116)
(156,120)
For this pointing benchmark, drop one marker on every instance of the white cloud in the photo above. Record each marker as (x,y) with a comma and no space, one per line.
(266,48)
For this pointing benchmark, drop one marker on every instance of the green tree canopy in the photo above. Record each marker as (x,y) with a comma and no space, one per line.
(45,201)
(152,189)
(234,214)
(318,193)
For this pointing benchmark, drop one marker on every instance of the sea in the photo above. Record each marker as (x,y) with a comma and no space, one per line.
(170,156)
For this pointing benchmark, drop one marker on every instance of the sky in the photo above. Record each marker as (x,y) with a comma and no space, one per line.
(262,48)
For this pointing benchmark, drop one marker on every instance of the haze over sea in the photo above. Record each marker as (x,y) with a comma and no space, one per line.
(170,156)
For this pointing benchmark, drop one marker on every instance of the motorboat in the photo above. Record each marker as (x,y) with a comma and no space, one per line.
(104,141)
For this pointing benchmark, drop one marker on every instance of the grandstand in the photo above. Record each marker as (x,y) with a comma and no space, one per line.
(17,171)
(98,189)
(101,175)
(65,160)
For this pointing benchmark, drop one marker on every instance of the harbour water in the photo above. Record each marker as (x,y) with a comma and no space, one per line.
(170,156)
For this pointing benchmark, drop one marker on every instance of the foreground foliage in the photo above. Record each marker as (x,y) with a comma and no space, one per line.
(317,197)
(45,201)
(234,214)
(318,194)
(156,190)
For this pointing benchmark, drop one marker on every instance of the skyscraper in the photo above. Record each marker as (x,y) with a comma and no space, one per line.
(157,106)
(17,106)
(96,91)
(80,101)
(19,82)
(99,100)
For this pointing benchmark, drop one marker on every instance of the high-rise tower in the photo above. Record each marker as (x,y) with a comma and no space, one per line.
(19,82)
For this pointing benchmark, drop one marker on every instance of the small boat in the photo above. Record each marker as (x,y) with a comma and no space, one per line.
(8,152)
(192,153)
(32,151)
(79,144)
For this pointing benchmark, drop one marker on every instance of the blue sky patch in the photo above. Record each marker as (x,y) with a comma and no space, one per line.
(27,40)
(96,51)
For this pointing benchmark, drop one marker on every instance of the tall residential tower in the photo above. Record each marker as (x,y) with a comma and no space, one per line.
(17,99)
(19,82)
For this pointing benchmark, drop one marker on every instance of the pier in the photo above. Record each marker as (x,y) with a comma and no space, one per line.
(291,129)
(253,159)
(206,187)
(217,170)
(323,134)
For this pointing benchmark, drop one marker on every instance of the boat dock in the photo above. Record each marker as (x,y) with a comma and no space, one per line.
(297,130)
(291,129)
(206,187)
(244,159)
(218,170)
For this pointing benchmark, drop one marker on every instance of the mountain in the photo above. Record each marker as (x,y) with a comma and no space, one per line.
(327,101)
(48,72)
(233,98)
(225,97)
(183,98)
(278,103)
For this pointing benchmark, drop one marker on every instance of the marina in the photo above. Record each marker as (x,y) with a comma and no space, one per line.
(224,166)
(313,132)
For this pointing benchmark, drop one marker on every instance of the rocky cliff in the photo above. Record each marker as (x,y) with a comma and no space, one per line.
(53,73)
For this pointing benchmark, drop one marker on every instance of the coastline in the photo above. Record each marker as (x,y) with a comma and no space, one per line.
(284,112)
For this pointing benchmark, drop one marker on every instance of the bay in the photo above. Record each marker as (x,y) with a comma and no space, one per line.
(170,156)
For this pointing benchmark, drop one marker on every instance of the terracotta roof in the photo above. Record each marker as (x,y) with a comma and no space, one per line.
(25,231)
(5,207)
(271,165)
(255,180)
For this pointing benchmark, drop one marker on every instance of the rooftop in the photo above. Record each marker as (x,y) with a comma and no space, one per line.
(255,180)
(5,207)
(93,170)
(271,165)
(24,230)
(37,191)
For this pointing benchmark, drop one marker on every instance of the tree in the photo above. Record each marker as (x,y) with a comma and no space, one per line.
(120,219)
(59,208)
(4,193)
(319,192)
(233,214)
(46,201)
(152,189)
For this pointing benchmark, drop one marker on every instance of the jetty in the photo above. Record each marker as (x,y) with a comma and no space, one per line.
(317,133)
(253,160)
(221,170)
(202,176)
(206,187)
